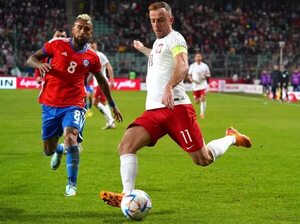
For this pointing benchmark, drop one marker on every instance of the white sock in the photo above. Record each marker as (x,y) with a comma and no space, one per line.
(219,146)
(128,168)
(202,107)
(102,108)
(111,120)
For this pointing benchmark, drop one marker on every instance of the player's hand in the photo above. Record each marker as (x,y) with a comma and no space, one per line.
(138,45)
(44,67)
(168,99)
(111,84)
(117,115)
(39,80)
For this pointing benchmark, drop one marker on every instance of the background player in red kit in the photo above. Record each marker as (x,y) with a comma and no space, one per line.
(63,93)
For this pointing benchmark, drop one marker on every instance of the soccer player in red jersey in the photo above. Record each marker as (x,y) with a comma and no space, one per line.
(63,94)
(168,107)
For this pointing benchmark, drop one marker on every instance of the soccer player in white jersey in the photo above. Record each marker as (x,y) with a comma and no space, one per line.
(99,99)
(198,75)
(168,108)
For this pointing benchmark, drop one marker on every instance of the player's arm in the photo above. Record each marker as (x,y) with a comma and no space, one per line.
(34,61)
(106,90)
(110,74)
(190,78)
(207,73)
(89,78)
(141,48)
(180,71)
(207,76)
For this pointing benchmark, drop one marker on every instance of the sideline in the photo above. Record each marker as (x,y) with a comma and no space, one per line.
(265,100)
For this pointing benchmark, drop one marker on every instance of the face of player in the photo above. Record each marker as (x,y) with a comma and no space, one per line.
(59,34)
(82,32)
(198,58)
(161,22)
(94,46)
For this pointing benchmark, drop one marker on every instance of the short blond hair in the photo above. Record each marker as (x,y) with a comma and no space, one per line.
(85,17)
(159,5)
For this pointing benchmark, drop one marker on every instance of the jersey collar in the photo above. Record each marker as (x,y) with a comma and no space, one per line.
(81,51)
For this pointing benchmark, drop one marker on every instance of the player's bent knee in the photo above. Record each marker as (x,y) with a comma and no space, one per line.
(126,148)
(71,136)
(48,152)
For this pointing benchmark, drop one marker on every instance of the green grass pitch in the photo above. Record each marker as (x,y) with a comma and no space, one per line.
(260,185)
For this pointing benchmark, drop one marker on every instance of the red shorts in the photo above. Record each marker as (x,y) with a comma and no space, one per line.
(99,95)
(197,94)
(180,124)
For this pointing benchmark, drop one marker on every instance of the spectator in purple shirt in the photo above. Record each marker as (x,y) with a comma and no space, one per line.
(295,80)
(265,81)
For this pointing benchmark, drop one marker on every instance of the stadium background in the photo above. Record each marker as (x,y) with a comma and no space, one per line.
(256,186)
(236,37)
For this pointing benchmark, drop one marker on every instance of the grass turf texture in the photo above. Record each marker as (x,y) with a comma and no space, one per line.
(260,185)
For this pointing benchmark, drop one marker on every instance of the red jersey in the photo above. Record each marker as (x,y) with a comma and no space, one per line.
(64,83)
(37,72)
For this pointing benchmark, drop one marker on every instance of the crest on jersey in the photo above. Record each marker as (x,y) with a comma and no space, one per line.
(86,62)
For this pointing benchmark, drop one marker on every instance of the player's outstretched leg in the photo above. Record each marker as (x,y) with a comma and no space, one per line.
(241,139)
(111,198)
(56,158)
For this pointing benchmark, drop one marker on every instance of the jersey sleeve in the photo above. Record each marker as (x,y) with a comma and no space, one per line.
(96,65)
(49,47)
(104,59)
(191,69)
(177,44)
(207,71)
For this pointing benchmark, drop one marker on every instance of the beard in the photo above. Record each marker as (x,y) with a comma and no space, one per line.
(81,41)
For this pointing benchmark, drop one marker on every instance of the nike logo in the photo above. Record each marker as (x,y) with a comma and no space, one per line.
(64,53)
(188,148)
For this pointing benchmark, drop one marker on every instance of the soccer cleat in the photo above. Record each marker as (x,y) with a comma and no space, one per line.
(241,140)
(55,161)
(110,126)
(70,190)
(80,148)
(89,113)
(111,198)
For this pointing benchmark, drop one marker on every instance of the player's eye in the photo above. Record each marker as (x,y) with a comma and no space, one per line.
(87,29)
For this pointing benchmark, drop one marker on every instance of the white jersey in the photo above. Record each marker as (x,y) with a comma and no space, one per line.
(160,69)
(103,61)
(199,72)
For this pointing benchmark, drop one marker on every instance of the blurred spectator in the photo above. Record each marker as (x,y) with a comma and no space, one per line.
(265,78)
(284,83)
(275,75)
(295,79)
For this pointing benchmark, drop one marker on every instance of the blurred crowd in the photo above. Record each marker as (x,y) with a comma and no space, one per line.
(24,27)
(212,28)
(250,29)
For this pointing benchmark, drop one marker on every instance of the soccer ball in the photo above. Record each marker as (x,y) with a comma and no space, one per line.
(136,204)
